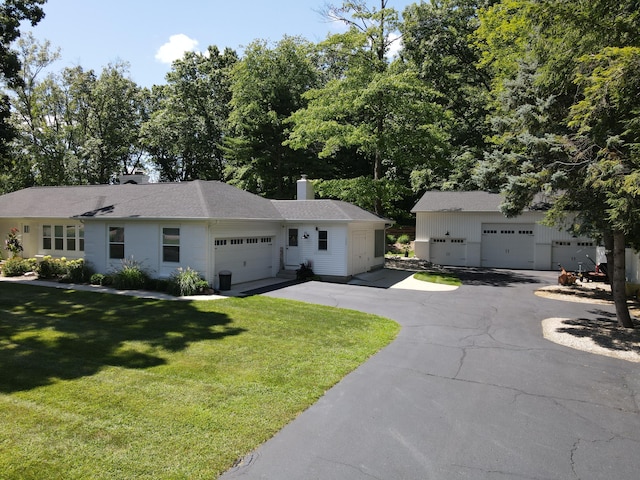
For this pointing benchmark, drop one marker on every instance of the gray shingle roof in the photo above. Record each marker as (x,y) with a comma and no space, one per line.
(437,201)
(331,210)
(194,200)
(475,201)
(187,200)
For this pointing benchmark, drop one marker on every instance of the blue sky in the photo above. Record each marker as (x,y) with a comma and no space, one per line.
(148,34)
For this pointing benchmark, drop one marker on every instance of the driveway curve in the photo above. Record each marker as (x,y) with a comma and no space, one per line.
(469,389)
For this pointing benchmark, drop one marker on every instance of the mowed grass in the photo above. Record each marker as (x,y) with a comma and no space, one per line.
(104,386)
(441,278)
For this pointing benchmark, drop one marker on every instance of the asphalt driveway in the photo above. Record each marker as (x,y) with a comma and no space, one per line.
(469,390)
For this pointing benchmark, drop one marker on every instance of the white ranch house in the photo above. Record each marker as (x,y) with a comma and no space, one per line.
(468,229)
(209,226)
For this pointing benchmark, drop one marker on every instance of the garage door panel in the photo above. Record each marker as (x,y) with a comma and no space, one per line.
(448,251)
(247,259)
(572,255)
(508,246)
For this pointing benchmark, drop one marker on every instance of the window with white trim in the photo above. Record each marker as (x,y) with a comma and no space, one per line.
(58,237)
(379,243)
(63,238)
(171,244)
(323,240)
(116,242)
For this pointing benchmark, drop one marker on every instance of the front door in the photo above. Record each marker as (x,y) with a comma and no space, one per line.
(360,259)
(293,250)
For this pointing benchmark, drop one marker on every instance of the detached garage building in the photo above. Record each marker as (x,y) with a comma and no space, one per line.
(468,229)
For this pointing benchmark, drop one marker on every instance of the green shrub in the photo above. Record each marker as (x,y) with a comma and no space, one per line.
(131,276)
(404,239)
(76,271)
(51,267)
(391,239)
(185,281)
(97,279)
(16,266)
(160,285)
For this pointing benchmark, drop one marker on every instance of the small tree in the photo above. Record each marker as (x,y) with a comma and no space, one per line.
(13,243)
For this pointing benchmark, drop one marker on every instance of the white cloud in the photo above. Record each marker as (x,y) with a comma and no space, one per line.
(175,48)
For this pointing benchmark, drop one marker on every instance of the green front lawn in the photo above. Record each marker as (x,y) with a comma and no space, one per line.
(106,386)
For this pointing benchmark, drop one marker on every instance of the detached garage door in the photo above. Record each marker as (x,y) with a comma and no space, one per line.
(247,258)
(448,251)
(508,246)
(572,255)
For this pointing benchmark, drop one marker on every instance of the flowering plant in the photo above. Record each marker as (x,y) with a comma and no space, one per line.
(12,243)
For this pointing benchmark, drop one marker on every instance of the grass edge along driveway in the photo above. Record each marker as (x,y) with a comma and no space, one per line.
(106,386)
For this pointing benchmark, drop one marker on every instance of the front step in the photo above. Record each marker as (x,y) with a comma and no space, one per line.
(287,274)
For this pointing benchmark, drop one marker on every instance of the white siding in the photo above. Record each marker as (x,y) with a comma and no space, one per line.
(362,248)
(632,266)
(32,238)
(344,257)
(143,244)
(324,262)
(467,226)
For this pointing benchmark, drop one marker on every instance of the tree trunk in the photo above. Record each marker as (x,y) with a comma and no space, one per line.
(617,277)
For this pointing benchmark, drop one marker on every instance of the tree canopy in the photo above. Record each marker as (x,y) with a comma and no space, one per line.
(12,13)
(566,118)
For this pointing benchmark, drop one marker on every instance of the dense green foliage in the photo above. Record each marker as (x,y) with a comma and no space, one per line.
(108,386)
(566,119)
(12,13)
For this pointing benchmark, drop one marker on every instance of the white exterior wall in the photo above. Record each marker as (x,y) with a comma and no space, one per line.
(143,244)
(632,262)
(332,261)
(362,257)
(344,257)
(468,226)
(32,240)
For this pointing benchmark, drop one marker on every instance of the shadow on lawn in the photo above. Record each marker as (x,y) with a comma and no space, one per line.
(48,334)
(604,331)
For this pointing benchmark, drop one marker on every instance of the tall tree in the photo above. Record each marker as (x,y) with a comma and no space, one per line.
(185,132)
(437,38)
(32,119)
(117,111)
(268,86)
(581,107)
(74,127)
(12,13)
(376,106)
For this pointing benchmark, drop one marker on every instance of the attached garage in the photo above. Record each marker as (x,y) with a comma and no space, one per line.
(508,246)
(247,258)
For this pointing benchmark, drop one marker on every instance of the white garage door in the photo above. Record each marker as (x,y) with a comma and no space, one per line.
(508,246)
(448,251)
(247,258)
(572,255)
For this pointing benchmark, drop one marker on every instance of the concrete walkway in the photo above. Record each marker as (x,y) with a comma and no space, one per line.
(384,278)
(470,389)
